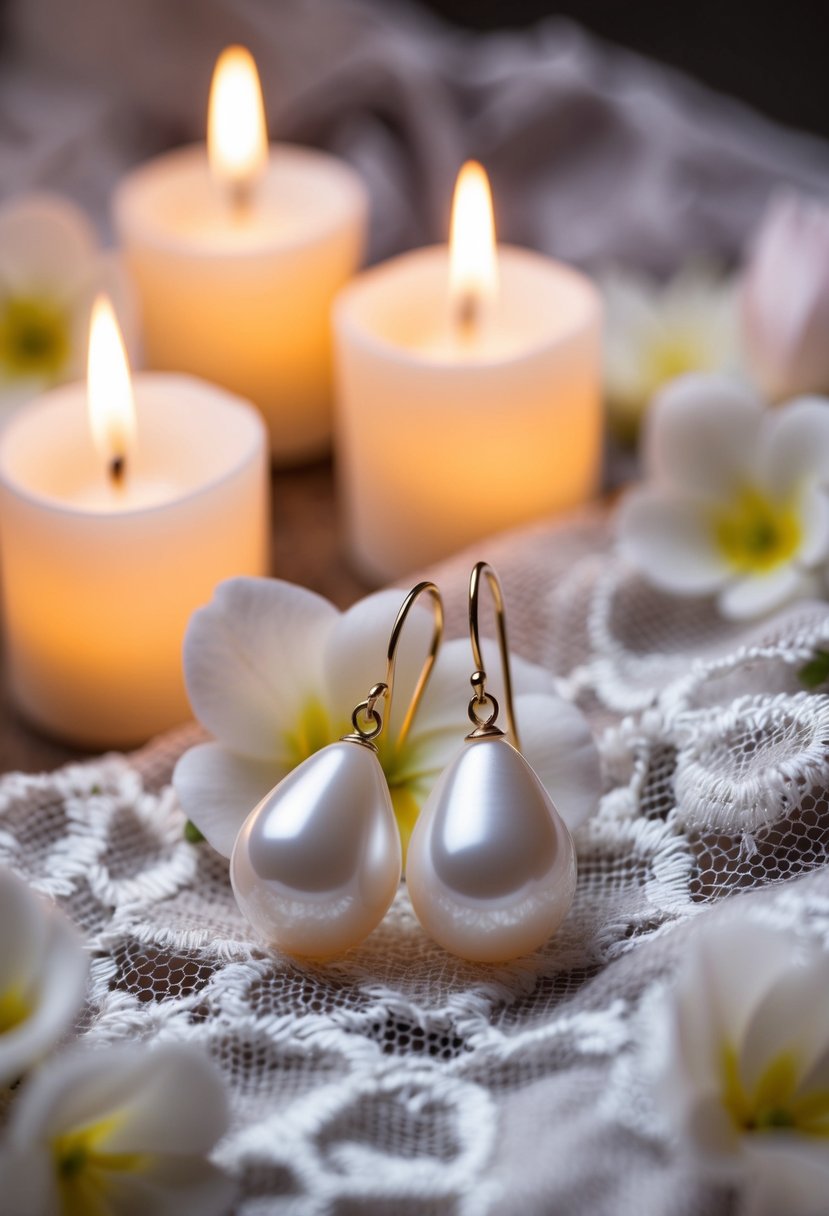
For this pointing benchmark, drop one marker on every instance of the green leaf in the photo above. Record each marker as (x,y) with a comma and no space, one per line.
(816,671)
(192,833)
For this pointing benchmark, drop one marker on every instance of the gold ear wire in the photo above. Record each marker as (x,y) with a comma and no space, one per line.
(368,709)
(486,726)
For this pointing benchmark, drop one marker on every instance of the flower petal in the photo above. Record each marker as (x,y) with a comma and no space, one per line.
(253,659)
(46,244)
(730,965)
(757,594)
(702,433)
(24,918)
(814,512)
(789,1018)
(218,789)
(785,1174)
(50,979)
(27,1184)
(449,692)
(794,446)
(173,1103)
(671,541)
(179,1186)
(167,1100)
(557,741)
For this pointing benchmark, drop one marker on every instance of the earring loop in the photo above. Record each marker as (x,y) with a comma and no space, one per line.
(481,697)
(384,691)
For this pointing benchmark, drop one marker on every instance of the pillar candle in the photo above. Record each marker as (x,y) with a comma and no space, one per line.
(237,257)
(101,573)
(464,407)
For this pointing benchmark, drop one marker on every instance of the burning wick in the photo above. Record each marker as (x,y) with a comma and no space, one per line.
(237,134)
(117,470)
(109,393)
(467,315)
(473,264)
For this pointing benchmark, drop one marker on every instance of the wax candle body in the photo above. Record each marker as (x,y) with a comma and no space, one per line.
(99,581)
(443,439)
(244,299)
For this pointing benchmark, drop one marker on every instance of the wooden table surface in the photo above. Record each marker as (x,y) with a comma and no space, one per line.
(306,549)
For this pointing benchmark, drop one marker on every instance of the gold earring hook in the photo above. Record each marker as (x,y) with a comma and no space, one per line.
(487,725)
(368,709)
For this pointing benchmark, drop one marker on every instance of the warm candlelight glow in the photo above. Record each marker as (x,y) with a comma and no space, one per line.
(473,263)
(237,135)
(109,389)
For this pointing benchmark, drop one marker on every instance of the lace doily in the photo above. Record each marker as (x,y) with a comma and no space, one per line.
(400,1080)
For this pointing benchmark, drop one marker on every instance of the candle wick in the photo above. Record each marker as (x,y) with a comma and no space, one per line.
(117,470)
(468,315)
(240,193)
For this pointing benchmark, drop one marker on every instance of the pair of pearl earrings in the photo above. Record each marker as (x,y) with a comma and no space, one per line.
(491,868)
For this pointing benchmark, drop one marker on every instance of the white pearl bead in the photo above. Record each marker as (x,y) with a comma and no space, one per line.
(491,868)
(317,862)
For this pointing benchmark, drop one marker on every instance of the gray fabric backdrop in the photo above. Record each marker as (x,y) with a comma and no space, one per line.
(595,155)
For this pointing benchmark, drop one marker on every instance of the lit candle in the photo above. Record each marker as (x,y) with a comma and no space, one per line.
(237,251)
(116,522)
(468,393)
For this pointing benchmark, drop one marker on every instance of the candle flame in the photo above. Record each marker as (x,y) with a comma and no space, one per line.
(237,134)
(109,389)
(473,262)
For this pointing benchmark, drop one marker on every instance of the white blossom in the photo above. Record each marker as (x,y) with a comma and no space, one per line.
(656,332)
(51,269)
(43,972)
(117,1131)
(745,1078)
(274,671)
(735,503)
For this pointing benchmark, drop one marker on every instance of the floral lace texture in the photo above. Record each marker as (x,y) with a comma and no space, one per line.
(400,1080)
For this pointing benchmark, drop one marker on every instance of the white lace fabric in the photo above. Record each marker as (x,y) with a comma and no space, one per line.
(399,1079)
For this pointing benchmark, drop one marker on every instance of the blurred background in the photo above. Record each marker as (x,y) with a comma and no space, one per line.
(596,154)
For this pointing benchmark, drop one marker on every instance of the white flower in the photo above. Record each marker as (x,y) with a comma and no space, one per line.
(43,970)
(117,1131)
(274,672)
(51,269)
(784,300)
(736,504)
(655,333)
(746,1076)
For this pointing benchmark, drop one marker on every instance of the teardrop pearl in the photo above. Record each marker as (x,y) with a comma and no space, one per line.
(491,868)
(317,863)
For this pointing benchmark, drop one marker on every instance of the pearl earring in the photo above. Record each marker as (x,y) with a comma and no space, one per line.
(317,863)
(491,868)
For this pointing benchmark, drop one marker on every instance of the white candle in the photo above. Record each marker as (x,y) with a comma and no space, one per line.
(468,400)
(237,256)
(106,553)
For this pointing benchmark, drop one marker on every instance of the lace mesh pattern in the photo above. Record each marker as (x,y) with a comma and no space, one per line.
(399,1079)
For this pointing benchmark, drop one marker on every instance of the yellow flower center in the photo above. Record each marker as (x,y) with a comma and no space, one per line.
(755,533)
(314,729)
(34,337)
(775,1102)
(671,355)
(83,1168)
(407,771)
(14,1008)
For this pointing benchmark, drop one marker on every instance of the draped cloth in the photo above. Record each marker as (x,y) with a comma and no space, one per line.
(595,154)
